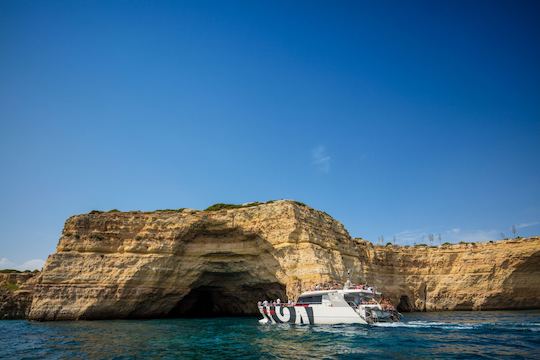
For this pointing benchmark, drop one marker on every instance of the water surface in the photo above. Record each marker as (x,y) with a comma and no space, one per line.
(490,335)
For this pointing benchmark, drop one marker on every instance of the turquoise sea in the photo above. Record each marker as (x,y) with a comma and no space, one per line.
(461,335)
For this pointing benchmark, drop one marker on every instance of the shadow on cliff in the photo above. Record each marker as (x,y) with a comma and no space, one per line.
(232,297)
(216,270)
(520,290)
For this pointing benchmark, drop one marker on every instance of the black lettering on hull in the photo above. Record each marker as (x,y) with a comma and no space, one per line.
(305,314)
(289,314)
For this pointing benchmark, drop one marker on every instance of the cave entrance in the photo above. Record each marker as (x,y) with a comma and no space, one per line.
(216,295)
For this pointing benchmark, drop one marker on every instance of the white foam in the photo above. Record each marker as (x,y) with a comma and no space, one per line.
(533,326)
(428,324)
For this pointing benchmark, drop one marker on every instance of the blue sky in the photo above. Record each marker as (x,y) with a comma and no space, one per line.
(399,119)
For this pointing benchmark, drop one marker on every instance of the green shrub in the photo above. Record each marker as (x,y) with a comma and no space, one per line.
(421,245)
(463,243)
(222,206)
(389,244)
(7,271)
(96,212)
(113,210)
(11,286)
(325,213)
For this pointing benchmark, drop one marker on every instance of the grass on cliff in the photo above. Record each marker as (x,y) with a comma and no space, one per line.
(135,211)
(11,271)
(11,286)
(215,207)
(168,210)
(222,206)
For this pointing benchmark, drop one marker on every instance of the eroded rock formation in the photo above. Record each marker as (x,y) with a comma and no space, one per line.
(16,290)
(475,276)
(182,263)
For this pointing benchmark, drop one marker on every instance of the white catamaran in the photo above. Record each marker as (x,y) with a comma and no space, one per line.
(346,306)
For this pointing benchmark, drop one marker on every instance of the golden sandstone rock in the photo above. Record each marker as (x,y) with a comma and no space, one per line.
(188,262)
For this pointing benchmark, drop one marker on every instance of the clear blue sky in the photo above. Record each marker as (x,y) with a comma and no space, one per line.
(397,119)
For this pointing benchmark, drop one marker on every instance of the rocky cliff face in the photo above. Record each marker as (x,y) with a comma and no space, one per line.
(16,294)
(182,263)
(476,276)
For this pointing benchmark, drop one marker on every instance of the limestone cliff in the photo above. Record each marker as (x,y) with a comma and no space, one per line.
(16,294)
(188,262)
(476,276)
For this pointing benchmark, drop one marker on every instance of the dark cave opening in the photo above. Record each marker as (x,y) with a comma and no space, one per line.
(225,299)
(404,304)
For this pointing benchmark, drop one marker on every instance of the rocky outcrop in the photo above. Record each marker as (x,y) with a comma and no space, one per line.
(196,263)
(16,278)
(188,262)
(475,276)
(16,290)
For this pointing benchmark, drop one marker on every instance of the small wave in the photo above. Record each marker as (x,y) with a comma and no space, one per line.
(428,324)
(534,327)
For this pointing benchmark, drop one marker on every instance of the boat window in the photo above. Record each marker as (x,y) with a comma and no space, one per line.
(311,299)
(355,298)
(352,299)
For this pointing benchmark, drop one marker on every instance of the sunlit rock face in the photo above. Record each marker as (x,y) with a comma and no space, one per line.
(211,263)
(169,263)
(477,276)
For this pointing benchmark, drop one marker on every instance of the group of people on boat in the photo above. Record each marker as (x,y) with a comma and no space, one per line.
(338,286)
(386,304)
(276,302)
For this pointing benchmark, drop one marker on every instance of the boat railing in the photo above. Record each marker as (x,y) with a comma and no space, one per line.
(290,304)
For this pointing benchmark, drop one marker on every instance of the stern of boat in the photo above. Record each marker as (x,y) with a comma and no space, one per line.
(374,315)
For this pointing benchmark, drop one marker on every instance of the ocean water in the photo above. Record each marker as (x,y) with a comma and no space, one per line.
(489,335)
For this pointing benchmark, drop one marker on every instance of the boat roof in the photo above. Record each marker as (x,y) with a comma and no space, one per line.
(340,291)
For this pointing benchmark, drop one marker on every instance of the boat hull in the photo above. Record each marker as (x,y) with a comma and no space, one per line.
(309,314)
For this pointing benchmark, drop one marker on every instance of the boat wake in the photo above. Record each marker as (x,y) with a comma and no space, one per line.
(535,327)
(427,324)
